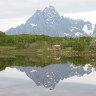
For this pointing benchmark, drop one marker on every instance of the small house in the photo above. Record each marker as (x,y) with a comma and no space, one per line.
(56,47)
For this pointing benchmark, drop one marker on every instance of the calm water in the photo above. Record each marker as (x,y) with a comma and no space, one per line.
(47,76)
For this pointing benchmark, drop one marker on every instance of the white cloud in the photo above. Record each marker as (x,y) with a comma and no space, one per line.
(86,16)
(17,8)
(5,24)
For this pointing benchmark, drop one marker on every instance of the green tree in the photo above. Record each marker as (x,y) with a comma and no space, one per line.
(93,45)
(79,45)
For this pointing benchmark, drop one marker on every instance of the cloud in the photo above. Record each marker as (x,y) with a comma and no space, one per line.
(16,12)
(21,8)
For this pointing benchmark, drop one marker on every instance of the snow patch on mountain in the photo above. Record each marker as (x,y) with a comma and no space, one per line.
(87,30)
(78,34)
(33,25)
(73,28)
(65,34)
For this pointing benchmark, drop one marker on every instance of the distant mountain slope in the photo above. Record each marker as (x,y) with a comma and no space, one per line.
(49,22)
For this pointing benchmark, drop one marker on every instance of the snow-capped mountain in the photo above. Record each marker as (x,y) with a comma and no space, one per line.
(49,22)
(50,76)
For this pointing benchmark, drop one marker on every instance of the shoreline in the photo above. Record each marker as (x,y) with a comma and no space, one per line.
(70,53)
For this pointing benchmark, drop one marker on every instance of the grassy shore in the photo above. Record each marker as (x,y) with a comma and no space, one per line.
(14,51)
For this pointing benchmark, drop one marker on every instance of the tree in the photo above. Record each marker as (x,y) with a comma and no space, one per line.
(79,45)
(2,34)
(93,45)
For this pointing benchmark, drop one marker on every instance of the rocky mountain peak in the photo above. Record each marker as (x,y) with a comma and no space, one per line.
(49,22)
(49,8)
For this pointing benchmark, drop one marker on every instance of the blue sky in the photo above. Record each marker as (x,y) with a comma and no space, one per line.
(16,12)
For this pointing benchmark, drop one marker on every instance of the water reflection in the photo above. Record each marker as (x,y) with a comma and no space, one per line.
(50,76)
(48,71)
(43,61)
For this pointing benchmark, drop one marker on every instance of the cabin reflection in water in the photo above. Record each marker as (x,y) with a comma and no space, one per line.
(56,57)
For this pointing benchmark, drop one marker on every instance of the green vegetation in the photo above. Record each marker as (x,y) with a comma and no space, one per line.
(33,43)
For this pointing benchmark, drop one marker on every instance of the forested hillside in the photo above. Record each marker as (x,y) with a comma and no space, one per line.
(26,41)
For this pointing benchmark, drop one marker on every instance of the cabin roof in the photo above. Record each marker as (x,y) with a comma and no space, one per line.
(56,45)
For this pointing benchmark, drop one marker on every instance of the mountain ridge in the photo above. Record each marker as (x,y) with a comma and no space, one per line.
(49,22)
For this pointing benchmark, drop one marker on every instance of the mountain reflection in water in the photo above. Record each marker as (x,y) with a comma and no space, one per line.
(48,71)
(50,76)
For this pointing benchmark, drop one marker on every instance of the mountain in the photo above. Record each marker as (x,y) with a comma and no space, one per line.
(50,76)
(49,22)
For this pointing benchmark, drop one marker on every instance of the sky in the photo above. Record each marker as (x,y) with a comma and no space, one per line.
(16,12)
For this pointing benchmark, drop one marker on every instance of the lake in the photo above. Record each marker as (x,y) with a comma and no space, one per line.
(42,75)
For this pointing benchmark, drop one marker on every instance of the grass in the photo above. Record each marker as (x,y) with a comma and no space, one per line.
(69,50)
(12,50)
(6,48)
(23,50)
